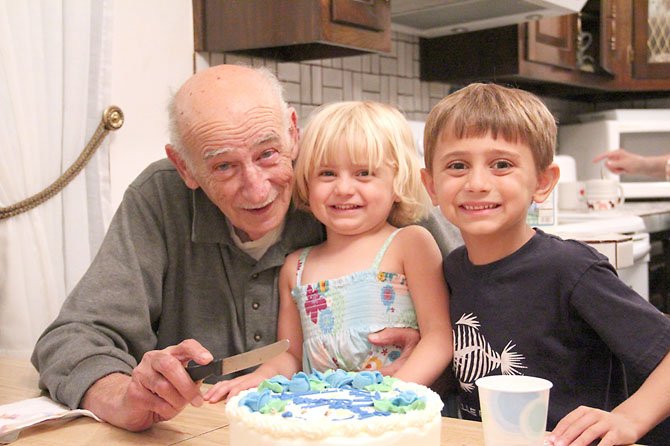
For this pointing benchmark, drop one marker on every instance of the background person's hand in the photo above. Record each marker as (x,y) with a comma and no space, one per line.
(405,338)
(158,389)
(621,161)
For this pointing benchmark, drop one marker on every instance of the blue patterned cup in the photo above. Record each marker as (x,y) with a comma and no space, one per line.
(514,409)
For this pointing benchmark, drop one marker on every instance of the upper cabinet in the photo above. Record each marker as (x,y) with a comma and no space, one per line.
(293,30)
(650,57)
(610,47)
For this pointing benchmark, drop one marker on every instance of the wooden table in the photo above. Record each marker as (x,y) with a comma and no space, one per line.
(206,425)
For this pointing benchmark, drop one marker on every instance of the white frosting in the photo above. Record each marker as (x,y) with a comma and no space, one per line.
(334,427)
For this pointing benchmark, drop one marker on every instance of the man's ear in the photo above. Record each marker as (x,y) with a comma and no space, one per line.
(546,181)
(427,179)
(294,133)
(184,172)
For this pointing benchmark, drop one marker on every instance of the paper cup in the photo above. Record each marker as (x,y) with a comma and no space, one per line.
(514,409)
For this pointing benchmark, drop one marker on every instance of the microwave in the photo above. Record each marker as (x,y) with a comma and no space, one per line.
(642,131)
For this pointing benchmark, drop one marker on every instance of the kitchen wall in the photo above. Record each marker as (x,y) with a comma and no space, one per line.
(392,78)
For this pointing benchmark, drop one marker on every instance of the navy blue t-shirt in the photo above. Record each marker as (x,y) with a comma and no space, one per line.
(557,310)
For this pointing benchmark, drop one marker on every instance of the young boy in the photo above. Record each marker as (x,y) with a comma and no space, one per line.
(525,302)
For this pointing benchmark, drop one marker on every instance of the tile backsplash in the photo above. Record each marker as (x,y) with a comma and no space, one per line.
(392,78)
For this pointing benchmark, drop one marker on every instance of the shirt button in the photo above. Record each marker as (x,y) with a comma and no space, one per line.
(257,337)
(254,276)
(255,305)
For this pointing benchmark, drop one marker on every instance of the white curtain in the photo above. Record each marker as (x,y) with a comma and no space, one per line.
(54,84)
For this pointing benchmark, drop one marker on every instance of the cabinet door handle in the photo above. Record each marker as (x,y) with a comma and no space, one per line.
(613,26)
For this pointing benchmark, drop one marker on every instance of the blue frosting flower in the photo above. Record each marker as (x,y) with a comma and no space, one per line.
(405,398)
(299,383)
(255,400)
(319,375)
(366,378)
(339,379)
(280,379)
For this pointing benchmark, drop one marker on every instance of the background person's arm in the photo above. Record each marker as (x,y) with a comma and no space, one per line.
(623,162)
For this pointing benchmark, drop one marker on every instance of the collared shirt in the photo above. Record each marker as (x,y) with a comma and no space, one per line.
(167,270)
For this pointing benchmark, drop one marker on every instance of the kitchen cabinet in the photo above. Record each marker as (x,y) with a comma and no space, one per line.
(551,41)
(293,30)
(610,48)
(651,41)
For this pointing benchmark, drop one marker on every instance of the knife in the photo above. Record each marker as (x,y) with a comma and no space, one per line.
(234,363)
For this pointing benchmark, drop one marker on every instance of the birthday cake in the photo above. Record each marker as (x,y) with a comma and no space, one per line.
(335,408)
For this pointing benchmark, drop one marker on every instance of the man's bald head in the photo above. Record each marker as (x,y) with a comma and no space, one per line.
(221,91)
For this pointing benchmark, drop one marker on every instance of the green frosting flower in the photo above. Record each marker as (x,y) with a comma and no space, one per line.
(387,405)
(403,403)
(317,384)
(275,405)
(385,386)
(273,386)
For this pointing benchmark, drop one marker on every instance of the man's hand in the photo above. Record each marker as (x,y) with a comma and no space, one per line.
(406,338)
(158,389)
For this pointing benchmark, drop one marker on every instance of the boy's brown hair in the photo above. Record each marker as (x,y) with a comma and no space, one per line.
(479,109)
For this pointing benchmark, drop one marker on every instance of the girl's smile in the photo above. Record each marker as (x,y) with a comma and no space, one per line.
(350,198)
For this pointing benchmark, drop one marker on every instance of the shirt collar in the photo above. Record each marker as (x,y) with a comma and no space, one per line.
(209,223)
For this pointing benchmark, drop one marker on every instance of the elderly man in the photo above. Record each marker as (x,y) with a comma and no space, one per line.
(189,266)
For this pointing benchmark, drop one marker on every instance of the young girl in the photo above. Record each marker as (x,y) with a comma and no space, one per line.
(358,174)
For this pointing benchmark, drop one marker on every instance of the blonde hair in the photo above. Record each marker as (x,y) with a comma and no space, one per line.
(370,133)
(515,115)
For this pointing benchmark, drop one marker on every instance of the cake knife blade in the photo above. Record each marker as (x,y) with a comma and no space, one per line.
(223,366)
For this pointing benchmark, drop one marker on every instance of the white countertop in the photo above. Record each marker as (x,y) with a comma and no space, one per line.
(654,214)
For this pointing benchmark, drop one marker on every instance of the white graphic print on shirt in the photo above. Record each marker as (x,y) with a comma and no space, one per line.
(474,357)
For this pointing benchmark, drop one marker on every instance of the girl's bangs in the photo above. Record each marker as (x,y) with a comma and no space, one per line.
(361,147)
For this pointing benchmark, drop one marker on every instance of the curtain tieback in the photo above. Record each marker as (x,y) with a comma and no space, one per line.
(112,119)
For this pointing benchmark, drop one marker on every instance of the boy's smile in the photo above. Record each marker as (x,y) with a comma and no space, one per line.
(484,186)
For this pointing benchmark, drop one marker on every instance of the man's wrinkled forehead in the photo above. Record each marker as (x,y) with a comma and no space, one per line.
(218,94)
(258,141)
